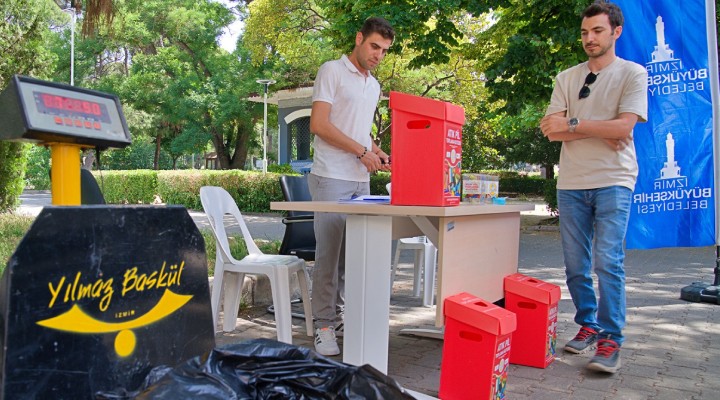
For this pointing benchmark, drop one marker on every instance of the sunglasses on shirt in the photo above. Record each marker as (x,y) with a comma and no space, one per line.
(589,80)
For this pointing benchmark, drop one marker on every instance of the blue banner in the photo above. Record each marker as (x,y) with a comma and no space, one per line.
(674,200)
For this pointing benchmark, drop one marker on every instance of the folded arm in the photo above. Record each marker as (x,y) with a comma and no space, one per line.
(617,132)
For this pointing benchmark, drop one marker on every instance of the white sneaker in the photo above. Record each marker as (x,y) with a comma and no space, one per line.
(325,341)
(340,324)
(340,328)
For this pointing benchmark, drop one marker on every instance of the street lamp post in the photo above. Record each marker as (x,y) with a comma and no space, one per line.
(267,83)
(73,14)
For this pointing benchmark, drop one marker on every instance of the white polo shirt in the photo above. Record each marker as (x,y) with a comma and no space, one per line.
(354,98)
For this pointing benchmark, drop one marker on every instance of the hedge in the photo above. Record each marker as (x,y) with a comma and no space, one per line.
(252,190)
(12,170)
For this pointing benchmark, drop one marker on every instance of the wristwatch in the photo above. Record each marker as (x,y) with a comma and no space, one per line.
(572,124)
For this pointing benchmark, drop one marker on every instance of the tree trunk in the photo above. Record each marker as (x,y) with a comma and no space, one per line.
(156,159)
(223,158)
(241,146)
(549,171)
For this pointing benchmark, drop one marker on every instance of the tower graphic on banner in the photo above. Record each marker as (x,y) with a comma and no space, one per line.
(662,50)
(670,170)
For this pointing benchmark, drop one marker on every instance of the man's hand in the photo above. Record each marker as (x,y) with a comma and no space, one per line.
(384,160)
(371,161)
(553,124)
(618,144)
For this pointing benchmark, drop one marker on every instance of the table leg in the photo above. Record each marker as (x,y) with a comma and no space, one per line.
(367,290)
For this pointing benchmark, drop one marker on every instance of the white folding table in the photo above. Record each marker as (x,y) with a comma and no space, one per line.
(477,247)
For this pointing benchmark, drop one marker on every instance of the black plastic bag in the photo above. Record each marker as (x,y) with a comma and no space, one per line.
(264,369)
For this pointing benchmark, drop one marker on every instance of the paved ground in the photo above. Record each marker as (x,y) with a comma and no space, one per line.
(672,348)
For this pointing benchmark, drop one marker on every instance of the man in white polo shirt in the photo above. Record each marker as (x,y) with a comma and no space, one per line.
(345,96)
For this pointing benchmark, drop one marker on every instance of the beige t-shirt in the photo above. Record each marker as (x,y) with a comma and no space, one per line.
(590,163)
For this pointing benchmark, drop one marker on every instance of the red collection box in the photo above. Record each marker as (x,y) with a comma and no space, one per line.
(535,303)
(426,149)
(476,350)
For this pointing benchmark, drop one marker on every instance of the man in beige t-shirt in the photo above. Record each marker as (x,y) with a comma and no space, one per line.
(593,110)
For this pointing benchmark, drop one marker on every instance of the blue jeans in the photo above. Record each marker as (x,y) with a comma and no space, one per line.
(593,224)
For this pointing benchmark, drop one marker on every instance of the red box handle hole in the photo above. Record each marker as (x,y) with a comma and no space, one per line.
(526,304)
(472,336)
(419,124)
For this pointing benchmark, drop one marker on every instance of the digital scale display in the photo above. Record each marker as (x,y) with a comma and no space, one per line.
(49,112)
(51,104)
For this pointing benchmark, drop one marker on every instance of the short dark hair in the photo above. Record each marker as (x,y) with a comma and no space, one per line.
(377,25)
(612,10)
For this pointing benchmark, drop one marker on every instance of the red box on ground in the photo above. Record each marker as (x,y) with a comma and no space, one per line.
(476,350)
(426,150)
(535,303)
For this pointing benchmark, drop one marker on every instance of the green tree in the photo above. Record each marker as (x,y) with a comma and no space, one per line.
(162,59)
(23,45)
(303,34)
(527,45)
(428,27)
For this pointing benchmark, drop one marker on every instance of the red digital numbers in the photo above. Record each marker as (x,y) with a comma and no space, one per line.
(72,105)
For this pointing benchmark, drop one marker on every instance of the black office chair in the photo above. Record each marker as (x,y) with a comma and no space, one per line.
(299,238)
(89,190)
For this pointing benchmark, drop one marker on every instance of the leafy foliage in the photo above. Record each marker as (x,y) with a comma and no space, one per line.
(128,187)
(12,169)
(181,91)
(37,174)
(23,39)
(137,156)
(252,191)
(425,27)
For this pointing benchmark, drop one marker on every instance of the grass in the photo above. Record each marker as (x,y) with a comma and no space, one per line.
(14,226)
(12,230)
(237,247)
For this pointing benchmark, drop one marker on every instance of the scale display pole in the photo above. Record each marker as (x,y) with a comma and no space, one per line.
(65,174)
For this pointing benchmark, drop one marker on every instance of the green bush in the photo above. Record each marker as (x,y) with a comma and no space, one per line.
(12,169)
(128,187)
(551,195)
(378,183)
(284,169)
(37,175)
(502,173)
(183,187)
(510,182)
(522,185)
(252,191)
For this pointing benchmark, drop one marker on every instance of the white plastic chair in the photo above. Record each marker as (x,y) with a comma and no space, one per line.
(230,272)
(424,265)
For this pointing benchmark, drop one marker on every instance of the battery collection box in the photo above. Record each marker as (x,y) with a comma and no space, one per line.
(476,349)
(426,150)
(535,303)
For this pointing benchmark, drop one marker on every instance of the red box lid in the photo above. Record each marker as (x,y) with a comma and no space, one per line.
(479,313)
(532,288)
(427,107)
(454,113)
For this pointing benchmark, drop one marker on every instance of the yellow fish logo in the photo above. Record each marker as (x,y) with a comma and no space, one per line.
(77,321)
